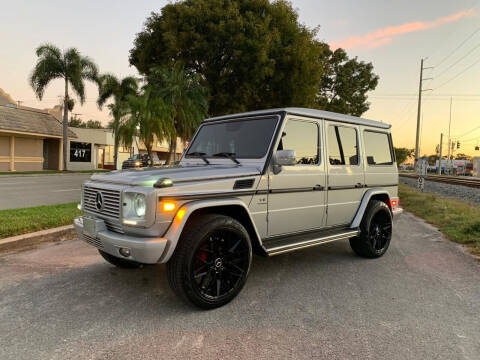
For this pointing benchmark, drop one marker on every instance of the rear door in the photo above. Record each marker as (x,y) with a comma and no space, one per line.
(345,173)
(296,196)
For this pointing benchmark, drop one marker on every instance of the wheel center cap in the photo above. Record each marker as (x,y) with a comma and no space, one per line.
(218,263)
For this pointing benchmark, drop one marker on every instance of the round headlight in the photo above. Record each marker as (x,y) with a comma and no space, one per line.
(140,205)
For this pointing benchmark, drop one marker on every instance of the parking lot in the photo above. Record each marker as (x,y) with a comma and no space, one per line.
(420,301)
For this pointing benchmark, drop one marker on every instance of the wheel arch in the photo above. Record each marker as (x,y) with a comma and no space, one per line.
(372,194)
(234,208)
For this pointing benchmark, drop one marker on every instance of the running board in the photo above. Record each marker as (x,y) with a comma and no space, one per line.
(297,242)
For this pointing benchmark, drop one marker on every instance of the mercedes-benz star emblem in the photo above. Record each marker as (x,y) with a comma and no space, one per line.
(99,201)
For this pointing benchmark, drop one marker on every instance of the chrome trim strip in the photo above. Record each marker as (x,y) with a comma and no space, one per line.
(312,242)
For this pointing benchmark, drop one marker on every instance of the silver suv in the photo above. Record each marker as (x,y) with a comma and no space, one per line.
(268,181)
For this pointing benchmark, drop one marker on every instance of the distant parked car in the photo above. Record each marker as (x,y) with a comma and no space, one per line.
(140,160)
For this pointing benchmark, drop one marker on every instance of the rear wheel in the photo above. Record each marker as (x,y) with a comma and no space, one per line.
(375,231)
(211,262)
(121,263)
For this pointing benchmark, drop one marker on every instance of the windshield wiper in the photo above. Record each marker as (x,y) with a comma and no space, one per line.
(201,155)
(231,156)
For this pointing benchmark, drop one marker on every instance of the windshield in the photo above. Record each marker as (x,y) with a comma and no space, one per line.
(248,139)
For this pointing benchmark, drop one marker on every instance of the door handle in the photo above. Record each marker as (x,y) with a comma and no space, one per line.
(318,188)
(359,185)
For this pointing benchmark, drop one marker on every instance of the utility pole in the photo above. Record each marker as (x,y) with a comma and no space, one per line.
(419,110)
(449,139)
(439,170)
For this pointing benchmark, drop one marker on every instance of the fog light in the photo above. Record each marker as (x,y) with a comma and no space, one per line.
(124,252)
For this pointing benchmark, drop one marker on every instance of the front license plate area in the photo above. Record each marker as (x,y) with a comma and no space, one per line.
(91,226)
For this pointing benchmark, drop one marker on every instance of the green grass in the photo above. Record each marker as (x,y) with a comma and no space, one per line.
(458,220)
(43,172)
(21,221)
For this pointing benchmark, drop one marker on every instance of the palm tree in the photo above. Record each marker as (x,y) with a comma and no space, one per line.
(146,116)
(182,90)
(72,67)
(109,86)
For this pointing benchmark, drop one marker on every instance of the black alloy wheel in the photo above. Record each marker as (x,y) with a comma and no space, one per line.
(219,265)
(375,231)
(211,261)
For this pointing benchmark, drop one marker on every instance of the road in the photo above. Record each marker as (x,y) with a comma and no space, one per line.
(420,301)
(26,191)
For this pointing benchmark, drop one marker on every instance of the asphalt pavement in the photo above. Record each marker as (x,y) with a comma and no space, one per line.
(35,190)
(420,301)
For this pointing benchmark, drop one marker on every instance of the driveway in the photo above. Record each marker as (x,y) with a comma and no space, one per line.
(35,190)
(420,301)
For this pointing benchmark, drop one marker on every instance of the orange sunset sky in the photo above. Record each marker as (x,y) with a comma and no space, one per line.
(393,35)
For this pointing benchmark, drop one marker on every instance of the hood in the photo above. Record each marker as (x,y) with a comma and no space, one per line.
(149,176)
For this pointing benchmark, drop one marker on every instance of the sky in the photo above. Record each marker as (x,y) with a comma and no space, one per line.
(394,35)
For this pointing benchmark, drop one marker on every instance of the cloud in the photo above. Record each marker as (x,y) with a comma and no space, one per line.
(386,35)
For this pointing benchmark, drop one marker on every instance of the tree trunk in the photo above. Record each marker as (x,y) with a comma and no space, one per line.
(65,126)
(150,155)
(174,151)
(171,149)
(115,146)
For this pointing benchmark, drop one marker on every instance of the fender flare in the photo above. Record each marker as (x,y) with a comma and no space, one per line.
(176,227)
(363,205)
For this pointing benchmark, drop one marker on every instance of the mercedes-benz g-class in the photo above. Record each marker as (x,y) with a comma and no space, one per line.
(268,182)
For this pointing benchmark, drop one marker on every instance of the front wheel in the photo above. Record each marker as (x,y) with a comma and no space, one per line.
(211,262)
(375,231)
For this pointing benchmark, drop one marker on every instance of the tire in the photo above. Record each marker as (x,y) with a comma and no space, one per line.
(211,262)
(375,231)
(121,263)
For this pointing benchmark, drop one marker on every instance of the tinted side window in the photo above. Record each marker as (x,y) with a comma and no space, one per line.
(342,145)
(301,136)
(377,148)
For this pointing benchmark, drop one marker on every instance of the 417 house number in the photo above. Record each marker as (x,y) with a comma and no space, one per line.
(80,153)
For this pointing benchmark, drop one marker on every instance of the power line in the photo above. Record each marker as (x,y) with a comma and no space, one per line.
(459,60)
(458,47)
(460,73)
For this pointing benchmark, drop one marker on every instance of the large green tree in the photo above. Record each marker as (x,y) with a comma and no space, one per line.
(345,83)
(68,65)
(110,87)
(188,98)
(403,154)
(146,116)
(251,54)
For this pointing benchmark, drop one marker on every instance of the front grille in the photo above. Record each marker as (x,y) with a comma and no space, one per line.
(94,242)
(111,201)
(110,212)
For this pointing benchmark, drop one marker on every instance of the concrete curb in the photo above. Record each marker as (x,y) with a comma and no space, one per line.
(20,242)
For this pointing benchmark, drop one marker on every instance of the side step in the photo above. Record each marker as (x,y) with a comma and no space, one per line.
(301,241)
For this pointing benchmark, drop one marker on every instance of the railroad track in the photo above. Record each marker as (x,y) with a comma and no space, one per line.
(454,180)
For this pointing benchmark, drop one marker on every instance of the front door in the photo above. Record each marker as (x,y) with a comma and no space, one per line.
(296,198)
(345,173)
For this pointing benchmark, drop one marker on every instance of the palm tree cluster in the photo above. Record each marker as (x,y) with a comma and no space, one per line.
(169,104)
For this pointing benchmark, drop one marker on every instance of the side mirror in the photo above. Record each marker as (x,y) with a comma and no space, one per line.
(285,157)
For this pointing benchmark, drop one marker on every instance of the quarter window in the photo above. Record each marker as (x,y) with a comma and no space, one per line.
(377,148)
(342,145)
(301,136)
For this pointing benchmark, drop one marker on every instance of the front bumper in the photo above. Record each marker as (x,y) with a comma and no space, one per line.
(146,250)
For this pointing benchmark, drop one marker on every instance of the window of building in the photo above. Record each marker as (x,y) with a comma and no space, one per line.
(80,152)
(377,148)
(342,145)
(301,136)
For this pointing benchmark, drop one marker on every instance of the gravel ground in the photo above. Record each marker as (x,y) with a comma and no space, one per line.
(471,195)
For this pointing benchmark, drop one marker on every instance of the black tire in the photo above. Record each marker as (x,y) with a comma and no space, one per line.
(212,248)
(375,231)
(121,263)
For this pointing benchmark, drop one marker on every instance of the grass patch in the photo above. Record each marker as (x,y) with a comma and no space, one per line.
(458,220)
(43,172)
(21,221)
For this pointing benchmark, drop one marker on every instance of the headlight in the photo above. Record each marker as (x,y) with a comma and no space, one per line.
(137,163)
(139,205)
